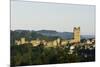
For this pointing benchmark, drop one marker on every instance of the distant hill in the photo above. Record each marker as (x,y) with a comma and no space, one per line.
(63,35)
(87,36)
(45,34)
(29,35)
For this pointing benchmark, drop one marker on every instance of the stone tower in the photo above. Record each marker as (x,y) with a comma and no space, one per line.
(76,32)
(22,40)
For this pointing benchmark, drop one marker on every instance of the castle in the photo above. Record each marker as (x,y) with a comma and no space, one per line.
(77,34)
(57,42)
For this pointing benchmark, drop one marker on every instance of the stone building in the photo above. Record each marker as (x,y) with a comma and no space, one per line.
(76,34)
(23,40)
(54,43)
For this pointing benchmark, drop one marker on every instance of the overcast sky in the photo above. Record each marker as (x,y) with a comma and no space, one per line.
(52,16)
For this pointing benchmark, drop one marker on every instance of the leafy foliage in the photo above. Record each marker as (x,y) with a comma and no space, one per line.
(26,54)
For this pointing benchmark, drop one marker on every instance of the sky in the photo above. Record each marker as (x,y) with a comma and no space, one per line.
(28,15)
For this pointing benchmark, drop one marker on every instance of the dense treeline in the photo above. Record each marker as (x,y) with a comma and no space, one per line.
(26,54)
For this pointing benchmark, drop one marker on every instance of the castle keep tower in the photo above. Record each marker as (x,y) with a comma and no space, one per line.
(76,32)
